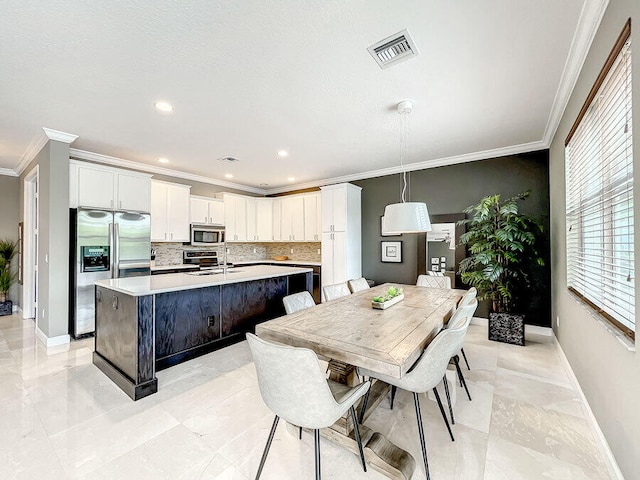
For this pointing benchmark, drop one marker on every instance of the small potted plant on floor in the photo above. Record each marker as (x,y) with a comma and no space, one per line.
(501,244)
(8,249)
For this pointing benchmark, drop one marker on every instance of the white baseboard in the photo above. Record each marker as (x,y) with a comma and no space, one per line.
(546,331)
(609,459)
(52,341)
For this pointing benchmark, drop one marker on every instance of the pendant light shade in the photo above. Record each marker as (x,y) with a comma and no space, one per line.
(406,217)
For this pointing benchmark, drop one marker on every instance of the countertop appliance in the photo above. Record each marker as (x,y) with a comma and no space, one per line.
(206,236)
(103,245)
(205,259)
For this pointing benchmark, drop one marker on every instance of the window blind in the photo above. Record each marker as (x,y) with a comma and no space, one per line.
(599,185)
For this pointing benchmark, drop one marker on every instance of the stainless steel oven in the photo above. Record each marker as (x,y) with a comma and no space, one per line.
(204,236)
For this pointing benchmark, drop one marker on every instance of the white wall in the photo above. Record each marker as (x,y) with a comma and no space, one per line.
(608,372)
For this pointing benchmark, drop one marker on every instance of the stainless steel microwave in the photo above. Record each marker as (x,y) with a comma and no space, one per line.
(204,236)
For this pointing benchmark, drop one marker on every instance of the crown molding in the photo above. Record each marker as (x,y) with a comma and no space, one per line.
(119,162)
(59,136)
(588,23)
(439,162)
(30,153)
(8,172)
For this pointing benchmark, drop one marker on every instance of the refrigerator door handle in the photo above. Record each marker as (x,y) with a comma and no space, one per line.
(116,243)
(113,251)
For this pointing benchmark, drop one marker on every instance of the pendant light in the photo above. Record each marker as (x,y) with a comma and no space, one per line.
(405,217)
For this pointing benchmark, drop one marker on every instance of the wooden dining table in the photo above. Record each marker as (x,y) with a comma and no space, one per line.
(349,333)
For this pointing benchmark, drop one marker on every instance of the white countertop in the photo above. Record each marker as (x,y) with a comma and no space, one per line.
(158,268)
(172,282)
(283,262)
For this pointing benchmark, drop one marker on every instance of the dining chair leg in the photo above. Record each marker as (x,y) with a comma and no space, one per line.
(316,434)
(416,401)
(267,446)
(464,384)
(300,435)
(464,355)
(394,389)
(363,408)
(444,415)
(356,430)
(446,391)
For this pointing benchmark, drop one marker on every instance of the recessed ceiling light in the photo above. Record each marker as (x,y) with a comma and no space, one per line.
(291,179)
(282,153)
(164,106)
(163,160)
(264,184)
(228,175)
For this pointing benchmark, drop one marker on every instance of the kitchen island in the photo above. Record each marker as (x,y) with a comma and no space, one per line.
(149,323)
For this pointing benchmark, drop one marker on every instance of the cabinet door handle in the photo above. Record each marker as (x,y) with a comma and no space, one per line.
(171,235)
(210,219)
(205,219)
(165,235)
(120,204)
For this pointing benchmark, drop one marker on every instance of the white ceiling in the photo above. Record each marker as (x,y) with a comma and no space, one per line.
(248,78)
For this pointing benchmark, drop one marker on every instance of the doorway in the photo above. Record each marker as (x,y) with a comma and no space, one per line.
(31,223)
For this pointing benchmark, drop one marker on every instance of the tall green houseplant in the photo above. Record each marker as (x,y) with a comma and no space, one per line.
(501,245)
(8,249)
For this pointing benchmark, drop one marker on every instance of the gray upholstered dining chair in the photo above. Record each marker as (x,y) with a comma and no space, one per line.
(463,314)
(358,284)
(469,297)
(433,282)
(337,290)
(426,374)
(298,301)
(294,388)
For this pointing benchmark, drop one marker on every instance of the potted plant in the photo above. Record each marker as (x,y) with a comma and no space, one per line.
(392,296)
(8,249)
(501,245)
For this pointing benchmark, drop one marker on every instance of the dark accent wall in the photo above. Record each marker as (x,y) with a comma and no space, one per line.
(451,189)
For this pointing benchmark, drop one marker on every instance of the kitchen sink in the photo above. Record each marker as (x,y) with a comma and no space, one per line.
(213,271)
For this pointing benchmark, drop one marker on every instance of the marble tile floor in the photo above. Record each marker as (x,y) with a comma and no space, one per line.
(60,418)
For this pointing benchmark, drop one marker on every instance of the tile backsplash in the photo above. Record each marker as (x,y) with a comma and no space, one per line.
(171,253)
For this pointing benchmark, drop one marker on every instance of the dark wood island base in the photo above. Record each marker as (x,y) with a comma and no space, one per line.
(138,334)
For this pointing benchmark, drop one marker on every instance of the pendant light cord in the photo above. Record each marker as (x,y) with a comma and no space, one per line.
(404,137)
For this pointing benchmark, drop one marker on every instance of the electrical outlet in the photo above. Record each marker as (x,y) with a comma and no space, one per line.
(211,319)
(255,250)
(292,250)
(558,321)
(46,259)
(228,251)
(43,310)
(318,251)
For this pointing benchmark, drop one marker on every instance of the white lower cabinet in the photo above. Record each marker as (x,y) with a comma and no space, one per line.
(169,212)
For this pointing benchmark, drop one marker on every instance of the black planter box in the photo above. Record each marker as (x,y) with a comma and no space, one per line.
(506,328)
(6,308)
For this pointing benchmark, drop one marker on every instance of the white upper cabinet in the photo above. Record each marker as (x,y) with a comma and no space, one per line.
(207,211)
(134,192)
(110,188)
(334,209)
(169,212)
(277,219)
(292,219)
(312,217)
(264,219)
(235,217)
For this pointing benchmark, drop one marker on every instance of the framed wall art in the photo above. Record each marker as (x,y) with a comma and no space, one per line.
(391,252)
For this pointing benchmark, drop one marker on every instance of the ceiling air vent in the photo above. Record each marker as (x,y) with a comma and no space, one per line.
(394,49)
(228,159)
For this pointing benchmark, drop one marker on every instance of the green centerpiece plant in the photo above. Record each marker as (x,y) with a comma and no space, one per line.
(390,297)
(502,251)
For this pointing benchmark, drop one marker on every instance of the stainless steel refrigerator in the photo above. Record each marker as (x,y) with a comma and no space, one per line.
(104,245)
